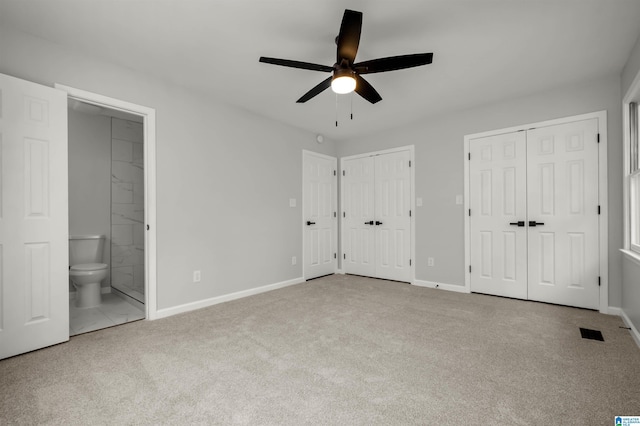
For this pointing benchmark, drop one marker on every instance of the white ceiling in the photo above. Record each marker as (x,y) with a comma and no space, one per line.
(484,50)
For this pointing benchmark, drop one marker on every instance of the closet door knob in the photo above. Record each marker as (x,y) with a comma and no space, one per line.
(369,223)
(378,222)
(518,223)
(534,223)
(309,223)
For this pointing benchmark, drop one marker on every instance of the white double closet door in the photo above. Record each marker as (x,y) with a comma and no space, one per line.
(534,214)
(377,216)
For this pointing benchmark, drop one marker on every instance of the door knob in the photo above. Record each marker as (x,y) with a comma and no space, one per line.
(369,223)
(378,222)
(518,223)
(309,223)
(534,223)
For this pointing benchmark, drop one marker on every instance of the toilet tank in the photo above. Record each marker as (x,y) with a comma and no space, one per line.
(85,249)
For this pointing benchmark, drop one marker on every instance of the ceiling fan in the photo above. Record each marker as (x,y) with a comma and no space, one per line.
(346,73)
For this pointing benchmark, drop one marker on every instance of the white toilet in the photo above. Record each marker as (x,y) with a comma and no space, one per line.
(86,270)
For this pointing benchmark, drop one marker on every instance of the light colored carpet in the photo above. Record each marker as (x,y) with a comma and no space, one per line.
(337,350)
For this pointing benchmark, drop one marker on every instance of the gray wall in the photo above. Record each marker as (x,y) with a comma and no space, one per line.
(90,177)
(631,68)
(439,149)
(224,176)
(630,270)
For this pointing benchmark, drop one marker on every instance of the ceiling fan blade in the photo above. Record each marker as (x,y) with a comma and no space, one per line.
(349,36)
(296,64)
(364,89)
(324,85)
(393,63)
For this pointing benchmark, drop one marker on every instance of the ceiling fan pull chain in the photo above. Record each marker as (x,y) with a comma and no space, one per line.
(352,105)
(336,110)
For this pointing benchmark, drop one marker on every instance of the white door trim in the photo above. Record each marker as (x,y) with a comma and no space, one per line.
(412,201)
(302,218)
(601,116)
(149,132)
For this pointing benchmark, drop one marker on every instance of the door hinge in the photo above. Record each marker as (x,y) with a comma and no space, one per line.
(469,212)
(344,214)
(335,255)
(598,138)
(334,173)
(147,227)
(409,163)
(343,174)
(409,262)
(598,281)
(344,256)
(469,156)
(409,213)
(335,214)
(598,208)
(469,268)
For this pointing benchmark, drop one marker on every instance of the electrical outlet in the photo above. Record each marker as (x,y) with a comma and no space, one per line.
(458,199)
(292,202)
(419,202)
(294,260)
(430,261)
(196,276)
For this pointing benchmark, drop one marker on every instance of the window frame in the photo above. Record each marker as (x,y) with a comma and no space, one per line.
(631,169)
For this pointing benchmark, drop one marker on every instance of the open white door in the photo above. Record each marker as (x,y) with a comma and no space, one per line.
(320,214)
(34,292)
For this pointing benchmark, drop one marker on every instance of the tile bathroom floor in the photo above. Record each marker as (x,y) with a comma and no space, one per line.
(114,310)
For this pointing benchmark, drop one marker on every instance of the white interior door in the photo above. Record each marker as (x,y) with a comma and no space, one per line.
(498,201)
(34,292)
(320,215)
(534,214)
(377,221)
(563,201)
(392,216)
(359,217)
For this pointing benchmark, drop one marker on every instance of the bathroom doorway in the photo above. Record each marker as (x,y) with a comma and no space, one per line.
(118,137)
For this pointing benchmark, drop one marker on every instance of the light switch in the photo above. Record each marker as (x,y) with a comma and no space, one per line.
(419,202)
(292,202)
(458,199)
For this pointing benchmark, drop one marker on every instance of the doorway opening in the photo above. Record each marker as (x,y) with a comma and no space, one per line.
(130,241)
(106,217)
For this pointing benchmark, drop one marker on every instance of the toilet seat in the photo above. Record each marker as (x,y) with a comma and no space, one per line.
(84,267)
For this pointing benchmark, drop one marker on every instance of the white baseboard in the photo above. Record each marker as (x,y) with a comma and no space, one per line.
(442,286)
(613,310)
(634,330)
(167,312)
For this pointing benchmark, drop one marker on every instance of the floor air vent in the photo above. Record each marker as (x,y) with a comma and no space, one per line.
(591,334)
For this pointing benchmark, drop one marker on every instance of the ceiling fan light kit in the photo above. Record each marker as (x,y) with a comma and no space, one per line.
(346,74)
(343,81)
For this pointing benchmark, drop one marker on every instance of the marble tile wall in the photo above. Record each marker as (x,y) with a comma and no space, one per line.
(127,205)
